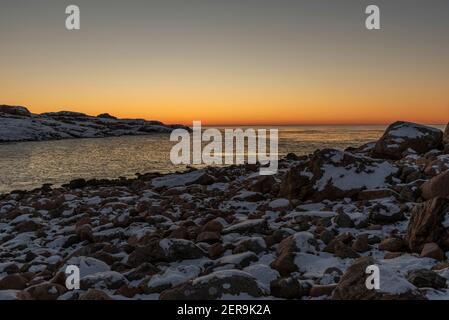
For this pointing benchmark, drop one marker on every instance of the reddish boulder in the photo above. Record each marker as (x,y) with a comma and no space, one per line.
(438,186)
(426,224)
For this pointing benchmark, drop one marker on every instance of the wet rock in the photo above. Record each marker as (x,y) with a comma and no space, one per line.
(215,286)
(402,136)
(424,278)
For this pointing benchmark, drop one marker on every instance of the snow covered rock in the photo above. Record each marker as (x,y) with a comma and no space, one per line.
(165,250)
(352,285)
(333,174)
(14,110)
(401,137)
(18,124)
(218,285)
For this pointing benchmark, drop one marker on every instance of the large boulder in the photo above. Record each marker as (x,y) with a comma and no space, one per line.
(428,224)
(438,186)
(220,284)
(401,137)
(333,174)
(352,285)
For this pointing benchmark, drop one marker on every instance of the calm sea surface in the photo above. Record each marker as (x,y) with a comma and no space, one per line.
(28,165)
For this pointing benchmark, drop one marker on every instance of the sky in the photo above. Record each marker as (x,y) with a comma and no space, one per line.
(229,62)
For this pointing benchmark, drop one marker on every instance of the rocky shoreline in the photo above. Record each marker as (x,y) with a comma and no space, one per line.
(19,124)
(308,232)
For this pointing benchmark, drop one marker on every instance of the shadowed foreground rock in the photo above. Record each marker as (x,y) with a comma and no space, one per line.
(426,224)
(216,285)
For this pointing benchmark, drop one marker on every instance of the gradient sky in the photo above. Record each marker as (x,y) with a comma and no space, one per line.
(228,61)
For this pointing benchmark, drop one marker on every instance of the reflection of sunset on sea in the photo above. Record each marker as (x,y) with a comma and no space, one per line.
(224,63)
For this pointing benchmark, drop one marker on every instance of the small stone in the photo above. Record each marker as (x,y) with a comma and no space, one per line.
(432,250)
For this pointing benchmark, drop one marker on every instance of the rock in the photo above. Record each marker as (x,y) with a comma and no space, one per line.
(402,136)
(392,255)
(446,135)
(333,174)
(15,110)
(352,285)
(77,184)
(237,261)
(13,282)
(437,186)
(285,263)
(343,221)
(46,291)
(213,226)
(426,224)
(392,244)
(343,251)
(179,249)
(209,237)
(93,294)
(216,285)
(216,250)
(169,250)
(423,278)
(106,116)
(377,194)
(289,288)
(255,244)
(27,226)
(262,184)
(6,295)
(327,236)
(85,233)
(361,243)
(103,280)
(248,226)
(432,250)
(322,290)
